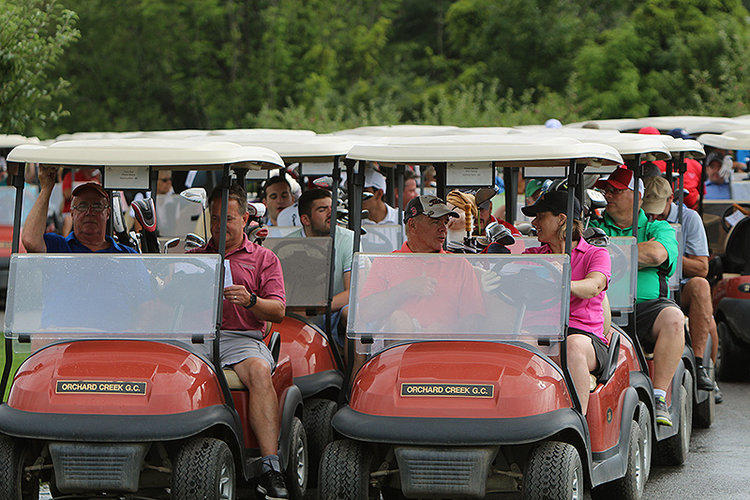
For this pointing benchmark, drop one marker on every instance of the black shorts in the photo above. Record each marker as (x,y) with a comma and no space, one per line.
(600,349)
(645,315)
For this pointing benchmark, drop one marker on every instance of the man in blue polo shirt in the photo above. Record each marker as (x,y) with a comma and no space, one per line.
(90,207)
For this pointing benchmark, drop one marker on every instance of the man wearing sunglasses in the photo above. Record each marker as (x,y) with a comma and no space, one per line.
(90,208)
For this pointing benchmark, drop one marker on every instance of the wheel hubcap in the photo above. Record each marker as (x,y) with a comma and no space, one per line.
(226,484)
(576,495)
(301,465)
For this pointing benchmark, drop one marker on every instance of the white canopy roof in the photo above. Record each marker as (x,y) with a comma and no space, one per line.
(400,130)
(468,148)
(312,148)
(726,141)
(13,140)
(147,152)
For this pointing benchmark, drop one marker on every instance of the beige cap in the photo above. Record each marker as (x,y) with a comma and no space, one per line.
(658,191)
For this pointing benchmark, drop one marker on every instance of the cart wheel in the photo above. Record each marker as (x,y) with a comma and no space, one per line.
(203,468)
(647,438)
(14,483)
(705,411)
(630,486)
(553,470)
(674,450)
(729,360)
(297,465)
(345,472)
(317,418)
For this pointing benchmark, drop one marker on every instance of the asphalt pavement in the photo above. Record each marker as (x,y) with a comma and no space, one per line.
(717,465)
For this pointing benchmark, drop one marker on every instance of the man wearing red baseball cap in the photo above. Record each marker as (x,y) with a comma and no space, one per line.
(90,207)
(659,320)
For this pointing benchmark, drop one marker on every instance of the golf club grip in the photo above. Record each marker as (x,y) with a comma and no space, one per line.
(467,219)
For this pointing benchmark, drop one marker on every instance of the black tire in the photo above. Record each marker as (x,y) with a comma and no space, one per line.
(705,411)
(674,449)
(553,470)
(204,468)
(729,366)
(14,484)
(345,472)
(317,418)
(630,486)
(297,465)
(647,437)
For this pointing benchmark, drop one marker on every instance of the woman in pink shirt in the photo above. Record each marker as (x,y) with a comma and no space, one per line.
(590,274)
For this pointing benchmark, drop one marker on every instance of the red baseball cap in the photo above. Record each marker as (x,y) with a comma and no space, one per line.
(90,185)
(622,178)
(649,131)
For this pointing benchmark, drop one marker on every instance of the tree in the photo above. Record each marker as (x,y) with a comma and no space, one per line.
(33,36)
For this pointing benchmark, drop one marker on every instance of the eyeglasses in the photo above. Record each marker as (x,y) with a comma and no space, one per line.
(612,190)
(85,207)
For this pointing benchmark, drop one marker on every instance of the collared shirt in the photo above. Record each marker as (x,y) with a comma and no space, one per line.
(70,244)
(718,191)
(694,240)
(652,281)
(405,249)
(259,270)
(343,246)
(391,216)
(585,314)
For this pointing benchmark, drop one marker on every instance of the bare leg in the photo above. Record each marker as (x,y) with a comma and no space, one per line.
(714,340)
(581,362)
(670,342)
(696,299)
(263,409)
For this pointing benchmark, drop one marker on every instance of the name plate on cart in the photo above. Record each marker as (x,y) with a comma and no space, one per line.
(100,387)
(470,174)
(120,177)
(449,390)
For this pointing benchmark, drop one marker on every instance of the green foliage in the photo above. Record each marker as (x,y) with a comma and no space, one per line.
(331,64)
(33,35)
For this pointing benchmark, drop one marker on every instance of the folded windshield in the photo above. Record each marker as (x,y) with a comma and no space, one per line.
(460,297)
(113,296)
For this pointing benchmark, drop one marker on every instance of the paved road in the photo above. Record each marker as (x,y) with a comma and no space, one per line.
(718,464)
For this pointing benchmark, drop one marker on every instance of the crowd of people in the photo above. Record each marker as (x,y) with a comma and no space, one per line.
(257,294)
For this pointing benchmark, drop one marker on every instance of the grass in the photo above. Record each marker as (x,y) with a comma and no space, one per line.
(18,358)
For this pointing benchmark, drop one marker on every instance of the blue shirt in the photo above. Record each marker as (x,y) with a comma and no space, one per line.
(717,191)
(57,244)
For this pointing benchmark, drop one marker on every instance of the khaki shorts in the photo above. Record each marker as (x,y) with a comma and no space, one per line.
(235,347)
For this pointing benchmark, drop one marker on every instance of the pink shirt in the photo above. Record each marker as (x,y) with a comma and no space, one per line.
(259,270)
(585,314)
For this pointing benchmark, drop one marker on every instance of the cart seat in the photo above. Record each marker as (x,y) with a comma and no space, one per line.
(274,344)
(736,257)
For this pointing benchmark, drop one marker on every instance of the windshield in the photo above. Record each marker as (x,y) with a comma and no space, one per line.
(112,295)
(306,264)
(382,238)
(460,297)
(8,204)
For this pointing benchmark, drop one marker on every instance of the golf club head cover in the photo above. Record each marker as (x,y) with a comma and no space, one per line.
(145,214)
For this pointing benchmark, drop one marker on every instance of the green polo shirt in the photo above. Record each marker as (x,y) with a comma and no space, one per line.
(652,281)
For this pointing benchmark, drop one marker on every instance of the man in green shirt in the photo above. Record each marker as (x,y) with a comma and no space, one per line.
(659,321)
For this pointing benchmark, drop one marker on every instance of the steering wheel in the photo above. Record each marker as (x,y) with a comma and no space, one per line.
(389,245)
(526,287)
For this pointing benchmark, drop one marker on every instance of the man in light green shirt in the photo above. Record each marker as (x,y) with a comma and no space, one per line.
(315,216)
(659,322)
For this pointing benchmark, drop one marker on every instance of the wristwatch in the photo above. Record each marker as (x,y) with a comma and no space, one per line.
(253,300)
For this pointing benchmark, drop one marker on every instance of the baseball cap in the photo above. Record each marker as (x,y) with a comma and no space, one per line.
(555,202)
(649,131)
(374,179)
(622,178)
(553,123)
(679,133)
(532,186)
(90,185)
(428,205)
(657,192)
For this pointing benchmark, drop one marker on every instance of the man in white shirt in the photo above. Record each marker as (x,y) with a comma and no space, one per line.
(380,212)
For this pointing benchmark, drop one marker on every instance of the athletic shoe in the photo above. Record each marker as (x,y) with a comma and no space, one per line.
(662,413)
(704,381)
(272,485)
(718,395)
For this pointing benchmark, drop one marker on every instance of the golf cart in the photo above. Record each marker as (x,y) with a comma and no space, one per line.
(480,399)
(119,395)
(732,281)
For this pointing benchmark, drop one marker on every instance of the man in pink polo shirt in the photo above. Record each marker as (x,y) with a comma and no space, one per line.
(255,296)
